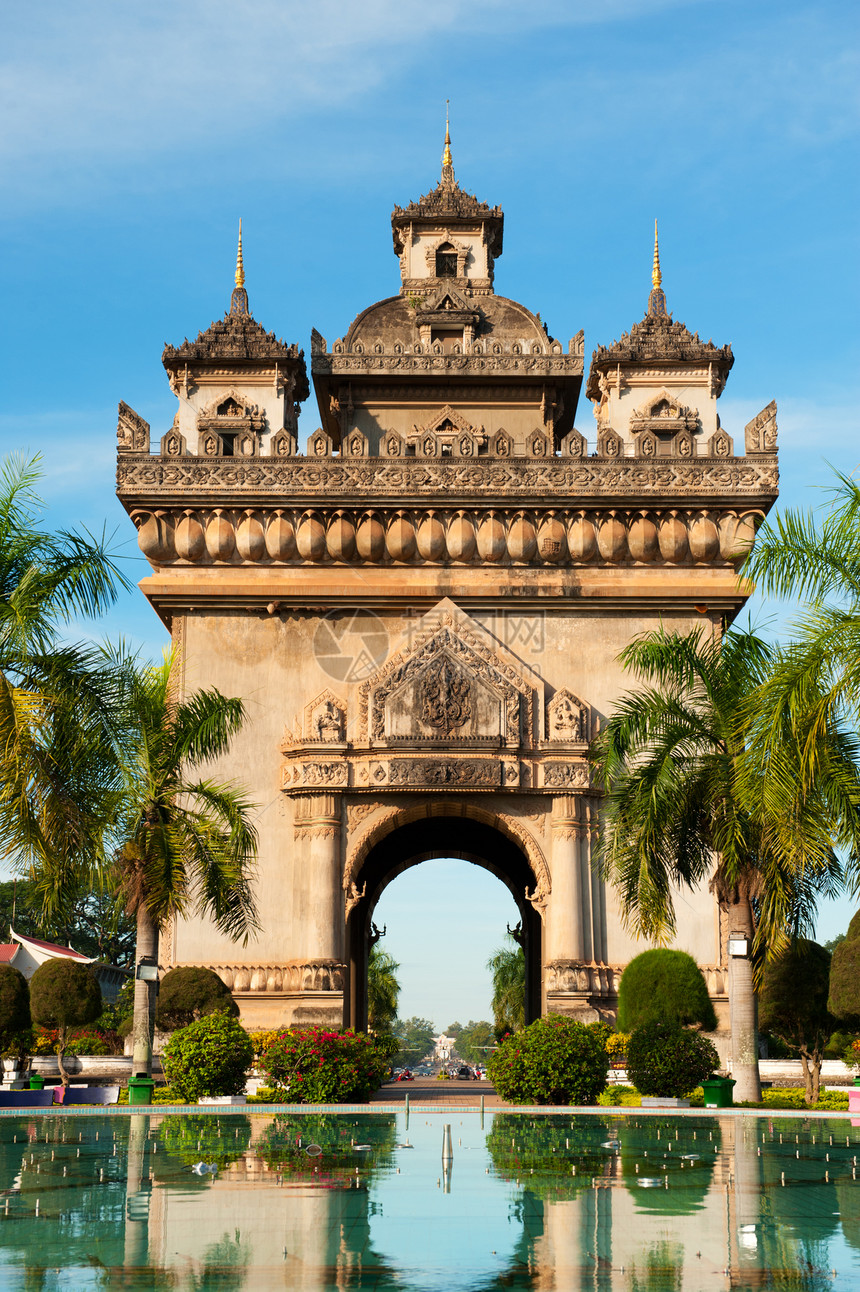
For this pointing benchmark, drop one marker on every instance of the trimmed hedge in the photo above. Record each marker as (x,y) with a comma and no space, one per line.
(189,993)
(555,1060)
(844,999)
(667,985)
(664,1058)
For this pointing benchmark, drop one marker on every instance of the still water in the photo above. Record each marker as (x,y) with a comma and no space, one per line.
(323,1202)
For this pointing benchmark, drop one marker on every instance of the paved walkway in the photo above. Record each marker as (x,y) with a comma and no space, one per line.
(427,1090)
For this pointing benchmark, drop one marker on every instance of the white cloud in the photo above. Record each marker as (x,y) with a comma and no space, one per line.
(95,82)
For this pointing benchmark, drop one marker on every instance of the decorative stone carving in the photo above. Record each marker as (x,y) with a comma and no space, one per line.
(501,444)
(392,445)
(445,693)
(683,445)
(609,444)
(645,444)
(355,445)
(294,976)
(663,414)
(574,445)
(720,445)
(538,445)
(132,431)
(387,696)
(283,445)
(566,775)
(146,478)
(319,444)
(566,718)
(173,445)
(760,433)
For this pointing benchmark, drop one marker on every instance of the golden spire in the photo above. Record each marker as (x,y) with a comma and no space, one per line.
(446,155)
(656,276)
(240,268)
(657,298)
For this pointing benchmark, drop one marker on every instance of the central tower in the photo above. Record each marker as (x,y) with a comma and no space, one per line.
(424,611)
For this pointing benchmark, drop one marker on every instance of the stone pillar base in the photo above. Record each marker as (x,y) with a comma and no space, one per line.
(291,1009)
(574,1005)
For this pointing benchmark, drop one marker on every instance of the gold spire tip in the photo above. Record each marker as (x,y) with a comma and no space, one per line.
(656,276)
(446,155)
(240,267)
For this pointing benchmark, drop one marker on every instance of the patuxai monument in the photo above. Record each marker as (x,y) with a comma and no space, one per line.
(423,605)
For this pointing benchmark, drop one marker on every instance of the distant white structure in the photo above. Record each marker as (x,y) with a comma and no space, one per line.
(26,954)
(444,1048)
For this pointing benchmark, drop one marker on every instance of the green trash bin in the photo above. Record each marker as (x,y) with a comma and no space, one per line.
(140,1090)
(37,1082)
(718,1092)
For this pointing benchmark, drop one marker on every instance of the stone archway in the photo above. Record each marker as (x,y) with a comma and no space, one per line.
(409,840)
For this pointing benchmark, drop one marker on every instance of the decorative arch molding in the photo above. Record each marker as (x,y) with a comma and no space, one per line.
(394,818)
(247,408)
(461,248)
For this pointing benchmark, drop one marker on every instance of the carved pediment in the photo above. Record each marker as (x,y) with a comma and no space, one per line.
(454,684)
(664,414)
(447,420)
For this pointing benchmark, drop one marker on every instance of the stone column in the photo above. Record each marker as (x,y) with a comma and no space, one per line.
(318,820)
(565,932)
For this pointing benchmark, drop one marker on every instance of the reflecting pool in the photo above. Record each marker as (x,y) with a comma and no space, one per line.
(324,1201)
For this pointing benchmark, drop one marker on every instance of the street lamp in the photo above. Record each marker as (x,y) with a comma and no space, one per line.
(147,969)
(738,945)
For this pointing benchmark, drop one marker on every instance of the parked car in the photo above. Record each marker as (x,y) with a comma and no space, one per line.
(465,1074)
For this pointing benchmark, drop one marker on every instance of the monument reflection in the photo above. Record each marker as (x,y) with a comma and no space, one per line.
(322,1202)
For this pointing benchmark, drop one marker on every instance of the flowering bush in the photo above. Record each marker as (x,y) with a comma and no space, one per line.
(556,1060)
(92,1040)
(310,1065)
(261,1042)
(616,1048)
(666,1059)
(210,1057)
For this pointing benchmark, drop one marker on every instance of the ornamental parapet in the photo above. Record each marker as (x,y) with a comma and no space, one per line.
(593,978)
(190,533)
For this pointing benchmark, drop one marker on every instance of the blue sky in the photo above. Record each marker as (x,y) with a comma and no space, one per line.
(135,137)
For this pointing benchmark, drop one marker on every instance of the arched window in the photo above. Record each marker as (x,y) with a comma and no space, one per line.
(446,261)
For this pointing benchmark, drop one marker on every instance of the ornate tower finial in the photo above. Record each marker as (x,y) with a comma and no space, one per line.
(657,298)
(656,277)
(239,299)
(240,268)
(447,161)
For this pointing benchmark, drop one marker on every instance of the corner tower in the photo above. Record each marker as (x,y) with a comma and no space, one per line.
(424,611)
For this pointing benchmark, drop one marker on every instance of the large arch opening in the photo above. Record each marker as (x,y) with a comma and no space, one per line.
(408,844)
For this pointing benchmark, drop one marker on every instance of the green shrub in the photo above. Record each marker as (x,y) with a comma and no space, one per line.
(844,999)
(310,1065)
(186,994)
(555,1060)
(14,1010)
(667,985)
(664,1058)
(64,994)
(208,1058)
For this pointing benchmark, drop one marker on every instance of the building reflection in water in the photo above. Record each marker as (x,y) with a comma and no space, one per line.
(324,1202)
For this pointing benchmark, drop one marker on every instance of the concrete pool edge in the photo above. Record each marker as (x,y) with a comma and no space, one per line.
(426,1110)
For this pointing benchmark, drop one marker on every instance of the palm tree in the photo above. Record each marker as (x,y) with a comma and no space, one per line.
(176,843)
(46,686)
(383,990)
(508,967)
(678,810)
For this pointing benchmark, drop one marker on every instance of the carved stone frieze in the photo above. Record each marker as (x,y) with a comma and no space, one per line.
(566,775)
(564,479)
